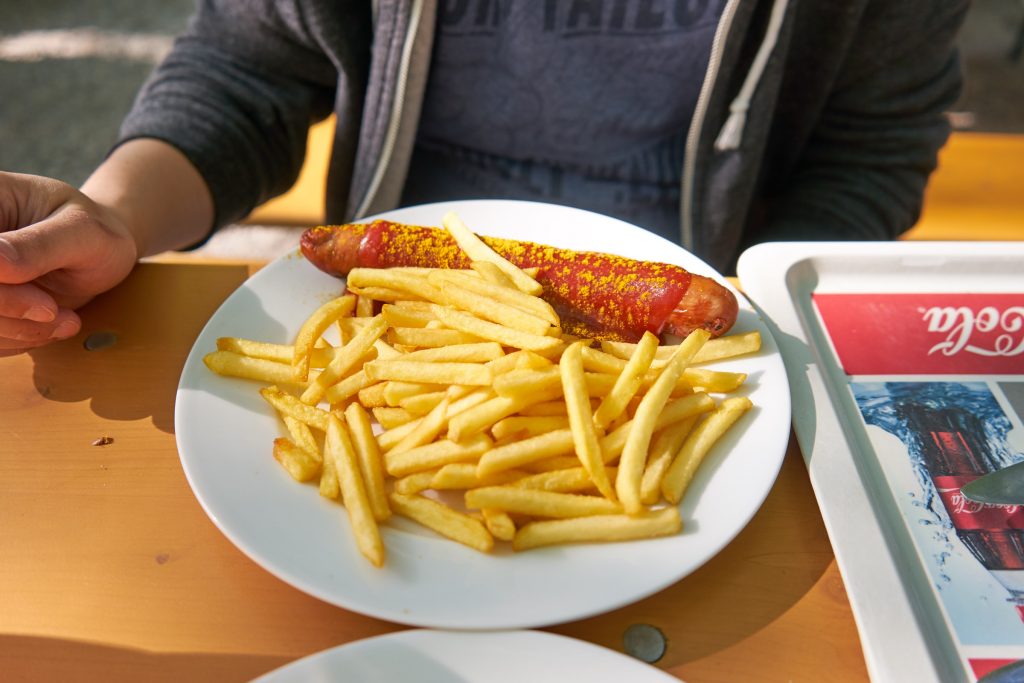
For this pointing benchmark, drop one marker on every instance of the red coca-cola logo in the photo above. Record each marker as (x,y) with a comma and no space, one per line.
(960,324)
(935,334)
(968,514)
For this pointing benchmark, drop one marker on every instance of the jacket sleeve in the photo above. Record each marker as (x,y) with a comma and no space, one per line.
(864,170)
(237,94)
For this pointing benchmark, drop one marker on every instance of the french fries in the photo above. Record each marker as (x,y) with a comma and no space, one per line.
(508,336)
(539,503)
(444,520)
(428,372)
(602,528)
(581,419)
(313,329)
(490,286)
(516,453)
(370,464)
(453,400)
(435,454)
(452,293)
(720,348)
(479,251)
(628,381)
(232,364)
(338,448)
(339,367)
(634,452)
(299,462)
(697,445)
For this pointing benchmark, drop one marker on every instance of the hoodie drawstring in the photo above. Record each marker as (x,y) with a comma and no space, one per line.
(732,132)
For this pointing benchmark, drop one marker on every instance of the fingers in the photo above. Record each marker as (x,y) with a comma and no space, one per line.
(58,249)
(51,244)
(79,251)
(27,302)
(19,334)
(47,225)
(29,317)
(27,199)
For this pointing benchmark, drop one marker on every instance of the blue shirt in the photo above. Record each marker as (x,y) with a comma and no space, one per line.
(579,102)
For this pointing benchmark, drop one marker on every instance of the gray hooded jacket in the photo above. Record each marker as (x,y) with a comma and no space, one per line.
(816,120)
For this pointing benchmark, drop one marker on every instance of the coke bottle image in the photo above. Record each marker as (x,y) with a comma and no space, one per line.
(954,450)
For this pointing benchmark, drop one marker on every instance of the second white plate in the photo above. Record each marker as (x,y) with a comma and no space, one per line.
(457,657)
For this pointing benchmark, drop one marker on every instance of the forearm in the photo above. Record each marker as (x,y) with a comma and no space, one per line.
(156,192)
(236,96)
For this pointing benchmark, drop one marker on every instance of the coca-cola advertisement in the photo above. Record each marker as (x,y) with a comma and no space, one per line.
(932,438)
(938,382)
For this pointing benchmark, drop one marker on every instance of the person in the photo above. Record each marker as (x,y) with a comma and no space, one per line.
(715,123)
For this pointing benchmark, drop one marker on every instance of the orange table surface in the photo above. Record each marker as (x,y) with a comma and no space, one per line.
(110,569)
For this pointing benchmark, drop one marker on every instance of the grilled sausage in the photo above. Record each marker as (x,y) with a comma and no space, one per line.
(596,295)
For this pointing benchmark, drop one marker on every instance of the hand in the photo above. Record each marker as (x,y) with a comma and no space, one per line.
(58,249)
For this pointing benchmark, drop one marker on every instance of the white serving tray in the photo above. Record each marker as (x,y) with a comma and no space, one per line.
(904,631)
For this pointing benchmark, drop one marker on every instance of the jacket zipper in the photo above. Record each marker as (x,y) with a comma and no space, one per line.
(697,123)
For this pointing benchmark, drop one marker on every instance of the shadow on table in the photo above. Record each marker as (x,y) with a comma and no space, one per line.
(30,658)
(759,579)
(153,318)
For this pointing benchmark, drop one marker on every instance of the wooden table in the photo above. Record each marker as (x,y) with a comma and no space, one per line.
(110,570)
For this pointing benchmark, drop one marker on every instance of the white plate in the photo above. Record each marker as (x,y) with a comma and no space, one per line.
(457,657)
(225,430)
